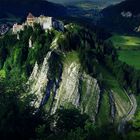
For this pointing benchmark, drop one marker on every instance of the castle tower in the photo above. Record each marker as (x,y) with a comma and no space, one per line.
(30,19)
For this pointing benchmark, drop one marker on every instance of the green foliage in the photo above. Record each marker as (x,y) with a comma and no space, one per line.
(16,116)
(70,124)
(125,74)
(125,42)
(63,119)
(16,58)
(77,134)
(55,66)
(128,48)
(131,57)
(103,117)
(136,122)
(5,43)
(19,120)
(2,74)
(133,135)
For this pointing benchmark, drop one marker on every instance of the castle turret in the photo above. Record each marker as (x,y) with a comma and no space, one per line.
(30,19)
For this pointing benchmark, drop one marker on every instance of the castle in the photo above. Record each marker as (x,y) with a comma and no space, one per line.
(46,23)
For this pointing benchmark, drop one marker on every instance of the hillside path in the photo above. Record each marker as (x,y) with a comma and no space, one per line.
(129,115)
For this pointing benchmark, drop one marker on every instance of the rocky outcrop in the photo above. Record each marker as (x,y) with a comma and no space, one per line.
(71,88)
(39,80)
(122,106)
(63,84)
(90,96)
(68,91)
(79,90)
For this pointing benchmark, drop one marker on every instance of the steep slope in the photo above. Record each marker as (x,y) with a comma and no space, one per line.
(73,88)
(61,82)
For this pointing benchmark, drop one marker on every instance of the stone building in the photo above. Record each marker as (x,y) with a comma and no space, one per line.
(48,23)
(17,28)
(53,23)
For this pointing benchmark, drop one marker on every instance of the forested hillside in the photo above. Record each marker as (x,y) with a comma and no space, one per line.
(72,75)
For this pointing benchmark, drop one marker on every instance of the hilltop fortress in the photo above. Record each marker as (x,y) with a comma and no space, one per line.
(46,23)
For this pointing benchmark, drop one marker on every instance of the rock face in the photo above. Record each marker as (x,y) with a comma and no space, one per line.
(72,88)
(68,91)
(38,80)
(78,89)
(64,84)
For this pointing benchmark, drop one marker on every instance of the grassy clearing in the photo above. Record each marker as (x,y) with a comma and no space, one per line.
(125,42)
(131,57)
(128,49)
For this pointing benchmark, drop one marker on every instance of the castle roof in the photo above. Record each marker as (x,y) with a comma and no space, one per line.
(30,15)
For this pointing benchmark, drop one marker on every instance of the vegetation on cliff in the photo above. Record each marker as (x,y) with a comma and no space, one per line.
(79,55)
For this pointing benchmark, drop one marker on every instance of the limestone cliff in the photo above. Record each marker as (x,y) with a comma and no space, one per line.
(72,88)
(64,84)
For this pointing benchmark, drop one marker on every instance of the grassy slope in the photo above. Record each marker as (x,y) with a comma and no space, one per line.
(71,57)
(104,112)
(111,84)
(128,48)
(122,101)
(131,57)
(126,42)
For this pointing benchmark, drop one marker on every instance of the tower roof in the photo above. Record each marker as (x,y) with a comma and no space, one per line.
(30,15)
